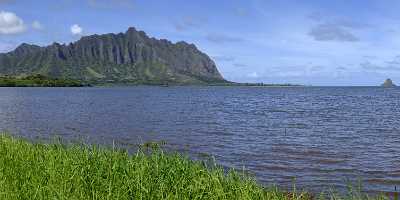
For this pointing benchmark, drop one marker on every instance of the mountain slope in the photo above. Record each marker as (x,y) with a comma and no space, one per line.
(130,57)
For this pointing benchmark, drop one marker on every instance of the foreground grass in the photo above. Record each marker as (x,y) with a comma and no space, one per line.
(56,171)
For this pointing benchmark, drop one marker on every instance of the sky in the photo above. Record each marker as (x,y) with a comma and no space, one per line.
(310,42)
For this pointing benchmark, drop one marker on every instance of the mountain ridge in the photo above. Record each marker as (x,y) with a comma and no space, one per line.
(130,57)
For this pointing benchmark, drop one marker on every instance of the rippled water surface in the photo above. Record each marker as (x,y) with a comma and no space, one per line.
(323,137)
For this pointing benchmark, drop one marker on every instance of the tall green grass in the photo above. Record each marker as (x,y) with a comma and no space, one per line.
(56,171)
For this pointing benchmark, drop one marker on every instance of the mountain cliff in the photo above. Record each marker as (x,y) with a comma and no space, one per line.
(130,57)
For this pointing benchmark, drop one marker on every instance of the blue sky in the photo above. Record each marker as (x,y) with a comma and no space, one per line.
(312,42)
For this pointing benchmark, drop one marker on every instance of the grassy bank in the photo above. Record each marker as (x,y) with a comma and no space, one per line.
(56,171)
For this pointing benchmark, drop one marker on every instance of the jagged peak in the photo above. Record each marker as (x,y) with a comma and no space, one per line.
(142,33)
(25,48)
(134,31)
(25,45)
(185,44)
(131,30)
(182,43)
(56,44)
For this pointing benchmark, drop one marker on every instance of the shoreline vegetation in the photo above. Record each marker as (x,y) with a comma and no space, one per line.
(30,170)
(202,84)
(39,81)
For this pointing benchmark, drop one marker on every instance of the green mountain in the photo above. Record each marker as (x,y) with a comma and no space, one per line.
(131,57)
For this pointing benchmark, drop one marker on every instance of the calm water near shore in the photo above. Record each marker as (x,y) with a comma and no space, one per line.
(322,136)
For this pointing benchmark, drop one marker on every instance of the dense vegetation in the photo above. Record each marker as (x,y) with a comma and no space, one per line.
(58,171)
(38,81)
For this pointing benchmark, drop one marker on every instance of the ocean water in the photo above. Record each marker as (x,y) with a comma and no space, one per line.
(316,137)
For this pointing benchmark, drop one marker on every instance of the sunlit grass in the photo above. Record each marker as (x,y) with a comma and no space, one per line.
(56,171)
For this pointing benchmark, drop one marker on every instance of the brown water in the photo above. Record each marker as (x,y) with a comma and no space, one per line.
(323,137)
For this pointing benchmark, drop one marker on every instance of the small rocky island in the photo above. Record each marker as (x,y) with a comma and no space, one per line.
(388,83)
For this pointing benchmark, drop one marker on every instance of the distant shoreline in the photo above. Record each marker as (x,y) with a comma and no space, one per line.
(224,84)
(44,81)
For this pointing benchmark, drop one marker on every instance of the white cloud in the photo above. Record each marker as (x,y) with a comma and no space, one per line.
(37,25)
(10,23)
(76,29)
(253,75)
